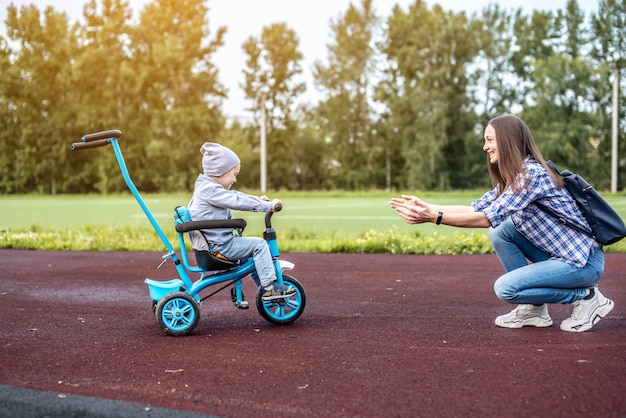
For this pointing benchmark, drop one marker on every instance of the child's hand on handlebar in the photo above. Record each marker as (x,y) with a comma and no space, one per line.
(277,205)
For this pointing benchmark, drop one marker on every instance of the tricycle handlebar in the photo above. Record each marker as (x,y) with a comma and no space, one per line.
(268,215)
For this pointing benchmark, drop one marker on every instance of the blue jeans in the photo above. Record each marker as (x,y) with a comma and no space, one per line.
(246,247)
(544,280)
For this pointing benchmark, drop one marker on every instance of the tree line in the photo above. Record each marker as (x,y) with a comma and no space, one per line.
(405,99)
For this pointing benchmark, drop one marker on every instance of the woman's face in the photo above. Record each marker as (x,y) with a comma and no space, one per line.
(491,145)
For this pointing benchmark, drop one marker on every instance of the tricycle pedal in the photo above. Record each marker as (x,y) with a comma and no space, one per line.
(242,305)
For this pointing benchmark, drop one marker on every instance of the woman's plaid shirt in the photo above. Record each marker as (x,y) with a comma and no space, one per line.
(538,227)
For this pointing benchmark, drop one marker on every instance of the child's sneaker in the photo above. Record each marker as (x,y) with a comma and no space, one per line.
(278,291)
(525,315)
(587,312)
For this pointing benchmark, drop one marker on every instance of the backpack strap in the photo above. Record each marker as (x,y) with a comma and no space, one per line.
(563,220)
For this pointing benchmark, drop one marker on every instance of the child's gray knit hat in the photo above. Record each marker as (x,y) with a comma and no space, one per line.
(217,159)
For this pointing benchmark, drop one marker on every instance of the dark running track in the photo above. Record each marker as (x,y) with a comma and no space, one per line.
(382,336)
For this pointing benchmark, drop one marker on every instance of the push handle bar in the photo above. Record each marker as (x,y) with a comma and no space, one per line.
(97,139)
(113,133)
(218,223)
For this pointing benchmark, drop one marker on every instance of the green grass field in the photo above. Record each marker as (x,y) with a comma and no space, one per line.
(322,213)
(317,221)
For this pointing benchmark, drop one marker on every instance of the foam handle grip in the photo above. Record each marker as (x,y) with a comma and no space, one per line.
(93,144)
(113,133)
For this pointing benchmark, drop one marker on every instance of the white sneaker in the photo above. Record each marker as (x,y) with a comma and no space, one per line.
(525,315)
(587,313)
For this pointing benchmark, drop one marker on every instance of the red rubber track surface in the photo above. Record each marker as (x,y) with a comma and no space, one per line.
(381,335)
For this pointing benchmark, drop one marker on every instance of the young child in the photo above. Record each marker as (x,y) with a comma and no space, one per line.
(213,199)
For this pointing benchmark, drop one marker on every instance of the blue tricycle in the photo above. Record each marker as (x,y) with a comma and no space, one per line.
(176,302)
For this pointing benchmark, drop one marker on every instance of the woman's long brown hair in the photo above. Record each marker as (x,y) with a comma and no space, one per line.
(515,142)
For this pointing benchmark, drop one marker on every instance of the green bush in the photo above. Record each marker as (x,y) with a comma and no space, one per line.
(144,238)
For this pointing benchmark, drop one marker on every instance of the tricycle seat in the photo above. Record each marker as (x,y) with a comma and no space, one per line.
(208,261)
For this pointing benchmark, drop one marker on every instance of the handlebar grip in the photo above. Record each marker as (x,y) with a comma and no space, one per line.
(113,133)
(93,144)
(278,207)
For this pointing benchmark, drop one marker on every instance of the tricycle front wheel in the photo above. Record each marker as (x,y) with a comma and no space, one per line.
(177,313)
(286,310)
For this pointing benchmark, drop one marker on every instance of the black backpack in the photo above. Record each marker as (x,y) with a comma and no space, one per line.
(607,227)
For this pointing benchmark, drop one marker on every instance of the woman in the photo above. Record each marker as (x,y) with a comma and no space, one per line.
(565,265)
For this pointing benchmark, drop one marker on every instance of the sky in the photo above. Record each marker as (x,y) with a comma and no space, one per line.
(310,19)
